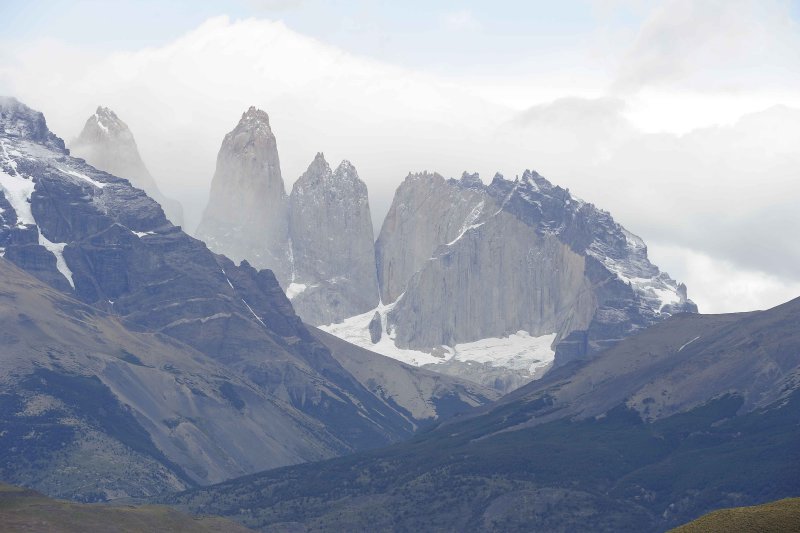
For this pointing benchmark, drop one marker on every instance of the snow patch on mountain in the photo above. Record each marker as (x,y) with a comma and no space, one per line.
(295,289)
(57,249)
(18,190)
(519,351)
(84,177)
(637,271)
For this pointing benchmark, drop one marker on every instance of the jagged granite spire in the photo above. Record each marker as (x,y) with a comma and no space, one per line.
(246,215)
(334,273)
(107,143)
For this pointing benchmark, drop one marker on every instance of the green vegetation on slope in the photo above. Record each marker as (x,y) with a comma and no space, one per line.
(26,510)
(782,516)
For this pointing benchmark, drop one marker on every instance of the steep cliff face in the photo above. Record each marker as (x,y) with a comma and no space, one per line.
(246,215)
(107,144)
(318,241)
(471,275)
(497,278)
(427,211)
(333,274)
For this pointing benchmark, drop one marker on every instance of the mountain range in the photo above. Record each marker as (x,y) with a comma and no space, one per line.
(540,373)
(492,283)
(204,369)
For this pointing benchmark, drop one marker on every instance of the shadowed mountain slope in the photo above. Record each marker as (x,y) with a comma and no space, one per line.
(693,414)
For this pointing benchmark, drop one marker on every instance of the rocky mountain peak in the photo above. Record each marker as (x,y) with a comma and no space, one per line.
(346,170)
(246,215)
(319,166)
(534,180)
(105,127)
(253,140)
(332,244)
(106,117)
(343,182)
(256,121)
(20,121)
(566,274)
(471,180)
(107,143)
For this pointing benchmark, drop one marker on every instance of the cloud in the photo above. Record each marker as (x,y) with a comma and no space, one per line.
(724,45)
(276,5)
(720,286)
(181,98)
(461,20)
(726,192)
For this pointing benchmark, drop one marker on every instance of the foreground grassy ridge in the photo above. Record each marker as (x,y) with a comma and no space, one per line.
(776,517)
(26,510)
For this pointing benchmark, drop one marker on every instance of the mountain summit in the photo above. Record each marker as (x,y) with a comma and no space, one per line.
(318,241)
(107,143)
(333,274)
(246,215)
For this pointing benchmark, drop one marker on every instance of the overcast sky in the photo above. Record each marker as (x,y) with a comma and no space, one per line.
(681,118)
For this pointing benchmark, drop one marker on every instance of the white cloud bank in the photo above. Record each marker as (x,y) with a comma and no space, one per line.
(715,196)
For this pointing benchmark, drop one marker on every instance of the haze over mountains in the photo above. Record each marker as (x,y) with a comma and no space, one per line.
(306,266)
(317,241)
(139,363)
(199,78)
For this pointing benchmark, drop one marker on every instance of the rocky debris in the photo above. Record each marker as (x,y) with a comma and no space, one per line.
(424,395)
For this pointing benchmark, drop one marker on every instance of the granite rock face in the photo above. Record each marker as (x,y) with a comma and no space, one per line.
(428,210)
(318,241)
(107,144)
(333,274)
(461,261)
(95,238)
(246,216)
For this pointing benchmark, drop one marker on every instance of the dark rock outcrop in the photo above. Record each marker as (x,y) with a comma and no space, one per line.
(375,328)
